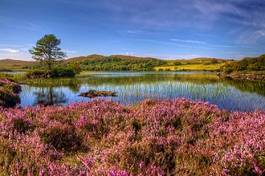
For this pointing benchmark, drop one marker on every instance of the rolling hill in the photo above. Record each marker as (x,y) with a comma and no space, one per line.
(124,63)
(11,64)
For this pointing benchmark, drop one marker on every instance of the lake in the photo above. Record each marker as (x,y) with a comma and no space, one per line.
(132,87)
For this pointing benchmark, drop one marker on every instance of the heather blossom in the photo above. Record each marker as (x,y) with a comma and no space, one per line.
(154,137)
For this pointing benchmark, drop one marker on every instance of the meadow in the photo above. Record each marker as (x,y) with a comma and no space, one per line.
(191,67)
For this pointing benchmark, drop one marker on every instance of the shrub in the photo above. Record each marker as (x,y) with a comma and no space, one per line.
(177,124)
(62,138)
(174,137)
(54,73)
(62,72)
(98,129)
(22,126)
(36,74)
(136,126)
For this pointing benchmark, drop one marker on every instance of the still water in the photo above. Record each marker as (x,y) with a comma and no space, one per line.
(132,87)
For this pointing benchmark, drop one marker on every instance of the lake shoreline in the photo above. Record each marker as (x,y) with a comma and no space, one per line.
(133,87)
(251,76)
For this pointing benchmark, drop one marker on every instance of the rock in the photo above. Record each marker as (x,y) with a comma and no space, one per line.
(8,99)
(95,93)
(10,84)
(9,91)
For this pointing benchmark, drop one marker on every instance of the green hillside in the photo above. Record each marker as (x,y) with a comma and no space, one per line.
(123,63)
(116,63)
(10,64)
(246,64)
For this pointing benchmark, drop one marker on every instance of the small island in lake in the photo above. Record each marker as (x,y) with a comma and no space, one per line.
(96,93)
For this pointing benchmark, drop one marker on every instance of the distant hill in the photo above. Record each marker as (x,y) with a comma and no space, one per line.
(123,63)
(116,63)
(11,64)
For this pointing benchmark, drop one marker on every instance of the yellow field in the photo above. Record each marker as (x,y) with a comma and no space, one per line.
(191,67)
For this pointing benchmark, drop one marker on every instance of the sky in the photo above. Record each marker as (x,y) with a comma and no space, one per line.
(167,29)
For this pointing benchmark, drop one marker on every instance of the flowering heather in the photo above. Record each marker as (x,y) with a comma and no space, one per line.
(169,137)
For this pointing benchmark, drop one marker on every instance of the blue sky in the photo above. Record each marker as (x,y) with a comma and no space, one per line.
(158,28)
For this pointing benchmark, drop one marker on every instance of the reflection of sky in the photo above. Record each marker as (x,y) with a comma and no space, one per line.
(224,96)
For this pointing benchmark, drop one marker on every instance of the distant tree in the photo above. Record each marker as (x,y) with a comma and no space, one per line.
(47,50)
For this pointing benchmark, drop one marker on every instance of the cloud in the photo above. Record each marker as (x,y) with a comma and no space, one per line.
(135,31)
(250,37)
(9,50)
(188,41)
(68,51)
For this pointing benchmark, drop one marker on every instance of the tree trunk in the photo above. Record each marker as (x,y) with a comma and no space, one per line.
(49,64)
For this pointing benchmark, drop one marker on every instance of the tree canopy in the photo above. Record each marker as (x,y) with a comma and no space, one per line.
(47,50)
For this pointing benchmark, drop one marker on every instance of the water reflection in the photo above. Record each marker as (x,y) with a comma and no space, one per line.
(132,88)
(49,96)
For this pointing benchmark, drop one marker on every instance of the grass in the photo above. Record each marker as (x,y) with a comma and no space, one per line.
(191,67)
(15,65)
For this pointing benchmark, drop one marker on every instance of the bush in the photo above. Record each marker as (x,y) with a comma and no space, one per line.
(63,139)
(22,126)
(54,73)
(36,74)
(98,129)
(62,72)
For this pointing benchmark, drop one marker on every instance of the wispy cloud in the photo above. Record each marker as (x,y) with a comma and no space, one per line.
(134,31)
(9,50)
(188,41)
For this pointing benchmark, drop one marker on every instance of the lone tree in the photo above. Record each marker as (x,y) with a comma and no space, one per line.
(47,51)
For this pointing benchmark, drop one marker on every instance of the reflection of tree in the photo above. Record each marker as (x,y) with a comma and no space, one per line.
(248,86)
(152,78)
(48,96)
(73,86)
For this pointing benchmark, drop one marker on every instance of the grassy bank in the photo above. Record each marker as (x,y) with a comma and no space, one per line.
(173,137)
(245,75)
(245,69)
